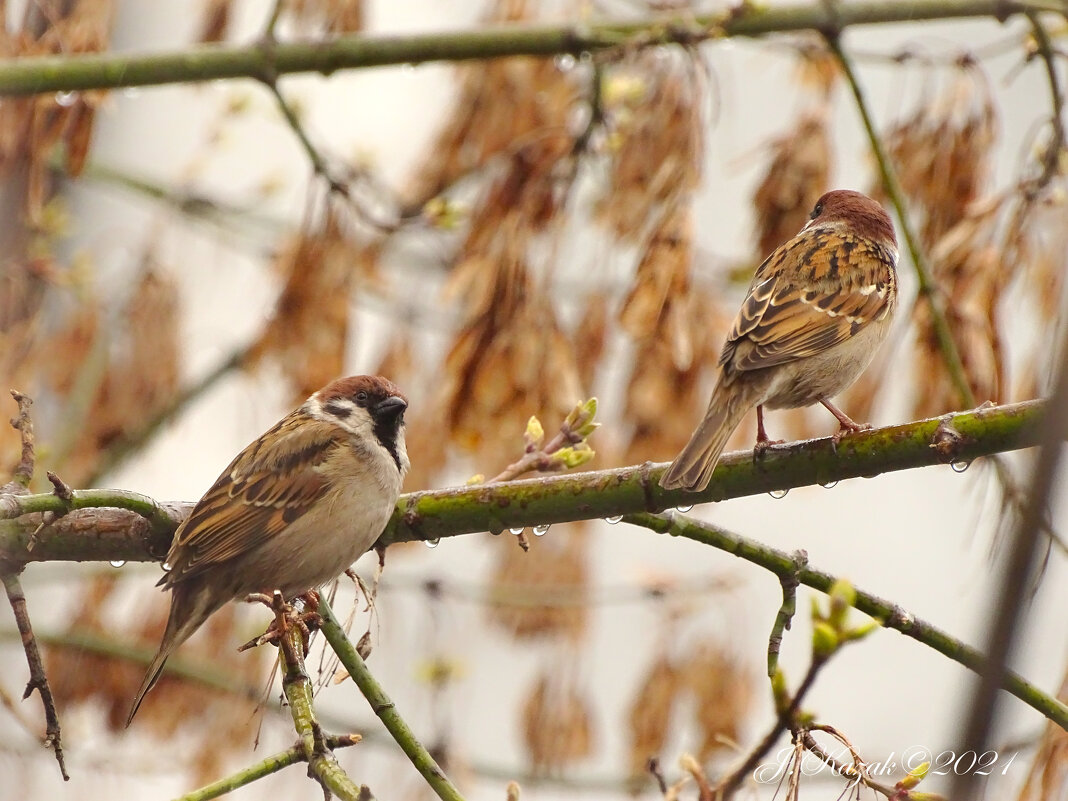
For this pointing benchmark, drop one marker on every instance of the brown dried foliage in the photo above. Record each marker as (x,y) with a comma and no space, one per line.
(656,137)
(798,173)
(591,336)
(519,580)
(328,16)
(80,676)
(32,127)
(557,724)
(215,21)
(966,265)
(650,715)
(1048,777)
(674,324)
(141,373)
(308,330)
(942,150)
(510,358)
(723,693)
(503,104)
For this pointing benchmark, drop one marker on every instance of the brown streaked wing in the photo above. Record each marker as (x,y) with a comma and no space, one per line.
(259,494)
(787,318)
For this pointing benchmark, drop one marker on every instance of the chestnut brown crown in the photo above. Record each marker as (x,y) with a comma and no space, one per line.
(864,216)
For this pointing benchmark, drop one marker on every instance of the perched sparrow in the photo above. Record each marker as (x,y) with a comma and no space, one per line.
(292,511)
(816,311)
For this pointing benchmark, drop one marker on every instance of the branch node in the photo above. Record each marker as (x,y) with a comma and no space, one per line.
(947,441)
(62,489)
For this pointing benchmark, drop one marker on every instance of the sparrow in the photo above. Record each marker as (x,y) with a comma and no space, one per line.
(294,510)
(814,314)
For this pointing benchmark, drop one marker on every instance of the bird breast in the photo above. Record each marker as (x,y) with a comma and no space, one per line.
(807,381)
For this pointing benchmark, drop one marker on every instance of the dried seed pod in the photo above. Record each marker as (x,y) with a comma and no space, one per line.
(650,714)
(501,102)
(798,173)
(308,330)
(655,137)
(943,150)
(966,266)
(557,724)
(1048,776)
(723,691)
(139,375)
(525,587)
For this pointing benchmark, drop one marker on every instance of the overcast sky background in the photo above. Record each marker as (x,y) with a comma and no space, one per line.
(921,538)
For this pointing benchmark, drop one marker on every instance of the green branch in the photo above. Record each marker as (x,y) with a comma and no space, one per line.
(266,767)
(889,614)
(430,515)
(26,76)
(382,706)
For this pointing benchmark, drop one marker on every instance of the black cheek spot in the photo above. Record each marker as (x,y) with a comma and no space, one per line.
(338,409)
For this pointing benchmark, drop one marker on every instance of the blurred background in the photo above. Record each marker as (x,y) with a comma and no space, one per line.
(518,234)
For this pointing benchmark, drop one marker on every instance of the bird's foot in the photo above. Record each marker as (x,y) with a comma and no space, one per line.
(762,445)
(845,431)
(302,613)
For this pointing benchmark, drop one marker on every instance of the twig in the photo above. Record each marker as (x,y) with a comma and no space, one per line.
(9,574)
(38,679)
(39,75)
(785,721)
(928,287)
(786,611)
(384,708)
(297,686)
(272,764)
(23,423)
(1007,606)
(1051,159)
(889,614)
(129,443)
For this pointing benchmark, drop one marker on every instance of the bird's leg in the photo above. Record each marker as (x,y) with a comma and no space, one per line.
(846,424)
(286,614)
(762,440)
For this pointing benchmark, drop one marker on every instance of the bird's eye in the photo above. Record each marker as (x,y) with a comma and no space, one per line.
(816,211)
(361,397)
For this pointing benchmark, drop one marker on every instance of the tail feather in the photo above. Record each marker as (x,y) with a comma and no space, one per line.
(692,468)
(190,607)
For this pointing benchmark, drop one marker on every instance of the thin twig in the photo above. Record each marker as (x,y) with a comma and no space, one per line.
(928,287)
(888,614)
(382,706)
(786,721)
(266,767)
(1054,152)
(1007,605)
(38,678)
(129,443)
(786,612)
(23,423)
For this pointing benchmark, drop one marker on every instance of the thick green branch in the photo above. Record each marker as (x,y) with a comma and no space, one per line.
(24,76)
(890,615)
(608,493)
(103,534)
(382,706)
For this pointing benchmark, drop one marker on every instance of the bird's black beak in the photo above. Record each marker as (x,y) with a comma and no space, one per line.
(393,406)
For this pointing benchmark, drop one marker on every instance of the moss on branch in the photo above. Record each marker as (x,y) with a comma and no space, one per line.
(101,527)
(265,62)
